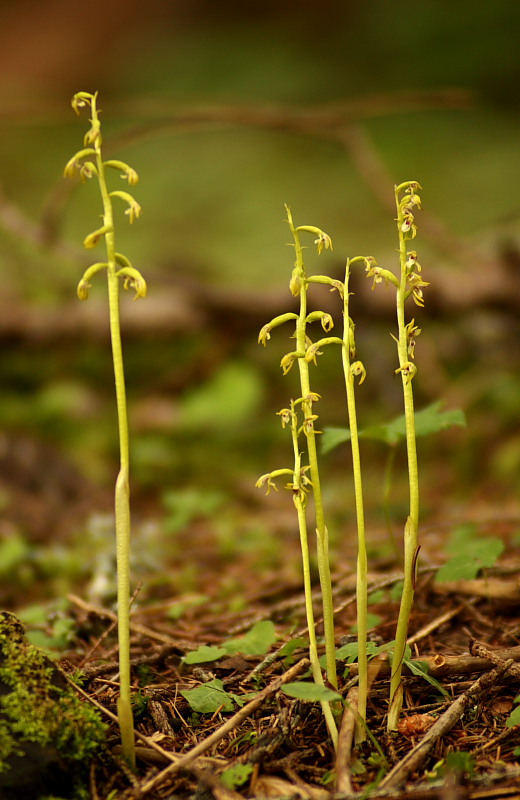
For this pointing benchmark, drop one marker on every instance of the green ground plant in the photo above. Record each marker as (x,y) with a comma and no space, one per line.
(89,163)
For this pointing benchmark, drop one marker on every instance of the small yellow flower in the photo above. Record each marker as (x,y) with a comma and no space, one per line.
(285,416)
(323,242)
(358,369)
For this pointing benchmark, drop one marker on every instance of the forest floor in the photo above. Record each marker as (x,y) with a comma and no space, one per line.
(453,741)
(246,738)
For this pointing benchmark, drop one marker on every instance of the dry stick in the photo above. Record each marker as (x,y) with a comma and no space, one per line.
(347,729)
(440,666)
(346,733)
(480,650)
(172,757)
(230,724)
(345,742)
(434,624)
(104,612)
(413,759)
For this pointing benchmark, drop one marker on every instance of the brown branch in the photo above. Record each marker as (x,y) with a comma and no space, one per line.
(316,120)
(446,666)
(414,758)
(496,657)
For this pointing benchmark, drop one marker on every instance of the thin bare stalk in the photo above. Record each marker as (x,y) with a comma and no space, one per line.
(410,283)
(89,163)
(350,371)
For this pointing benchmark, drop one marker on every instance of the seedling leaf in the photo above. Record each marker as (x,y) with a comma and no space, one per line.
(204,653)
(236,776)
(514,717)
(332,437)
(349,652)
(420,668)
(256,642)
(289,648)
(311,692)
(465,566)
(429,420)
(209,697)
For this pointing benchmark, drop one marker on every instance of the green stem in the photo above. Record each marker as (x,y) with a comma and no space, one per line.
(321,529)
(300,505)
(387,495)
(412,523)
(362,564)
(122,490)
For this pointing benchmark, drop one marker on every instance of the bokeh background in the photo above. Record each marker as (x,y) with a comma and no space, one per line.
(229,110)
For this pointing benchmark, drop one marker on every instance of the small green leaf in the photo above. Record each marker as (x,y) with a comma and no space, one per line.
(420,668)
(349,652)
(429,420)
(396,591)
(14,551)
(209,697)
(236,776)
(311,692)
(460,536)
(256,642)
(372,620)
(204,653)
(461,761)
(479,553)
(514,717)
(328,777)
(289,648)
(332,437)
(229,399)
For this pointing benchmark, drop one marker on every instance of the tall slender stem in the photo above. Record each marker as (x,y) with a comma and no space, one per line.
(307,399)
(407,371)
(300,502)
(122,489)
(362,564)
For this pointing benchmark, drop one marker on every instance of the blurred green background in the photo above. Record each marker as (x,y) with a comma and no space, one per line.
(228,111)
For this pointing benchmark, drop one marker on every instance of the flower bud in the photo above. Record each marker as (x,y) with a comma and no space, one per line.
(93,238)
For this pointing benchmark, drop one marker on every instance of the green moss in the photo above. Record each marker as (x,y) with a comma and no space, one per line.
(37,705)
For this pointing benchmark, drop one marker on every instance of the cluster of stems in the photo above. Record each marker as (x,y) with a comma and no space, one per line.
(300,417)
(89,163)
(306,479)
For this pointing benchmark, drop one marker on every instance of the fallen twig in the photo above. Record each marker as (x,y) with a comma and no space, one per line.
(495,656)
(345,741)
(440,666)
(412,760)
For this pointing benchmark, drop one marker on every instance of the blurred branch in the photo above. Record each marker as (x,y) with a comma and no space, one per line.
(325,115)
(332,121)
(189,304)
(375,174)
(314,120)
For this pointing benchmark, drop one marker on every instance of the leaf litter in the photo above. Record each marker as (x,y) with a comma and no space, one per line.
(226,708)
